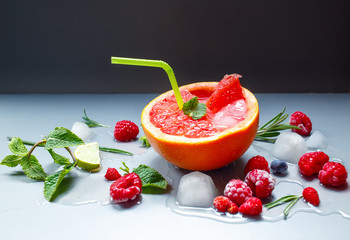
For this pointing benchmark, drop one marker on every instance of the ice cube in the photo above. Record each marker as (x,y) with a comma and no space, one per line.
(316,141)
(82,130)
(289,147)
(196,189)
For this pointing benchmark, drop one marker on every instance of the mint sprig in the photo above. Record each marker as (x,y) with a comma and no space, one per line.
(58,138)
(194,109)
(270,130)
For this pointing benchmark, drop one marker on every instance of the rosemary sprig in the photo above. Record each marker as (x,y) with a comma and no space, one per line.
(92,123)
(270,130)
(292,199)
(103,149)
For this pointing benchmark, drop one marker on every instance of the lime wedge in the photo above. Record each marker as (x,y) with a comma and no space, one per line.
(88,156)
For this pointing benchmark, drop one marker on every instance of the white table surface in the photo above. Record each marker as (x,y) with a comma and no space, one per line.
(24,214)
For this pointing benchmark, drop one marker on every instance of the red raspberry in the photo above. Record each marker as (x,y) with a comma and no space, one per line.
(112,174)
(301,120)
(125,131)
(126,188)
(220,203)
(257,162)
(260,182)
(310,195)
(237,191)
(312,162)
(252,206)
(333,174)
(232,208)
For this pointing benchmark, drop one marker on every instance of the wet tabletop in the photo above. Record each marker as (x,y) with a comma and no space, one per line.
(83,209)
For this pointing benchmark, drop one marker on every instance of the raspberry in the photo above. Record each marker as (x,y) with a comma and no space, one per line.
(237,191)
(301,120)
(232,208)
(125,131)
(112,174)
(257,162)
(333,174)
(312,162)
(220,203)
(260,182)
(310,195)
(126,188)
(252,206)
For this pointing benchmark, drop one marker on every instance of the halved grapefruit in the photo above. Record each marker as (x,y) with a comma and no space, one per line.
(201,144)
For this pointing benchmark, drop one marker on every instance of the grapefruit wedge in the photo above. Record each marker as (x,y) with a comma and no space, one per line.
(200,144)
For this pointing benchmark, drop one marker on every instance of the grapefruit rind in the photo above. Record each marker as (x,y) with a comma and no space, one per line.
(207,153)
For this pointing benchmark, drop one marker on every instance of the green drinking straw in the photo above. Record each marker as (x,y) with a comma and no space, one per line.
(153,63)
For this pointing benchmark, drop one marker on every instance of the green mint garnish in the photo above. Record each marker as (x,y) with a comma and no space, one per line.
(272,128)
(91,123)
(292,199)
(152,180)
(62,137)
(53,181)
(59,138)
(194,109)
(145,142)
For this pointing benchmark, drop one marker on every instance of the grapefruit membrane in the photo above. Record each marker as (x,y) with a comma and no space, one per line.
(215,140)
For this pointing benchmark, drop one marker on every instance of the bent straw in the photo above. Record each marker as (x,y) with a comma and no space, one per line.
(153,63)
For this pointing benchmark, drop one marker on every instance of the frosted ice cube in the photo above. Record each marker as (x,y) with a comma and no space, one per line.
(289,147)
(82,130)
(196,189)
(316,141)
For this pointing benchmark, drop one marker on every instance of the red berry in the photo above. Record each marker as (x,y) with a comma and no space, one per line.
(228,90)
(333,174)
(112,174)
(237,191)
(232,208)
(220,203)
(310,195)
(257,162)
(125,131)
(252,206)
(301,120)
(126,188)
(311,163)
(260,182)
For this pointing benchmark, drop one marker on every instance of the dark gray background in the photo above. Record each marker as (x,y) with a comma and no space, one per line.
(278,46)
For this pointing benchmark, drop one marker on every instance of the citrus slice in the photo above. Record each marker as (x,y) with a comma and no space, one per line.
(198,144)
(88,156)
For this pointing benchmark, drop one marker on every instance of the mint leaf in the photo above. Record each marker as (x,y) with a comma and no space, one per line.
(11,160)
(32,168)
(194,109)
(145,142)
(53,181)
(59,159)
(17,147)
(151,179)
(62,137)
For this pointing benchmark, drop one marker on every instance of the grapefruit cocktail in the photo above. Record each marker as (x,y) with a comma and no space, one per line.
(218,137)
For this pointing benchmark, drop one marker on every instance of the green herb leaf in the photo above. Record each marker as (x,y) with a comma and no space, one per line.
(125,169)
(114,150)
(270,130)
(32,168)
(62,137)
(91,123)
(289,206)
(59,159)
(17,147)
(151,179)
(53,181)
(11,160)
(194,109)
(145,142)
(281,201)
